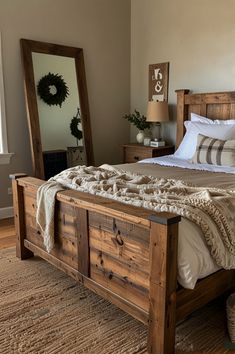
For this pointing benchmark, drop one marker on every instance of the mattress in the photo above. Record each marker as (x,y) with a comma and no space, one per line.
(194,259)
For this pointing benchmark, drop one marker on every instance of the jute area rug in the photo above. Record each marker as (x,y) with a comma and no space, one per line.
(43,311)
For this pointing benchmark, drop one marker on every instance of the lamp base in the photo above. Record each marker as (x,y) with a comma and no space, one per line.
(156,131)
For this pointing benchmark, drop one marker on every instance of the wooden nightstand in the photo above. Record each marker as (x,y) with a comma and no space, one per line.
(136,152)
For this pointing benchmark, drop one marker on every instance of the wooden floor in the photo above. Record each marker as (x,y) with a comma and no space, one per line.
(7,233)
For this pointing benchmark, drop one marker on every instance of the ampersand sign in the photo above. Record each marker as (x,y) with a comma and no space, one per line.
(158,82)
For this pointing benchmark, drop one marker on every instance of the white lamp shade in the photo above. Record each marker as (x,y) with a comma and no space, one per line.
(157,111)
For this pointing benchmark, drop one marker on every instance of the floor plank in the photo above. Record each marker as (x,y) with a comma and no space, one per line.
(7,233)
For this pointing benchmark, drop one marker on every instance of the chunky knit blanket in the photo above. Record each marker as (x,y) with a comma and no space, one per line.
(212,209)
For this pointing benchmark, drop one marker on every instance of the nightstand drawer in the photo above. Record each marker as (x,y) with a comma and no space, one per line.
(136,152)
(162,151)
(135,155)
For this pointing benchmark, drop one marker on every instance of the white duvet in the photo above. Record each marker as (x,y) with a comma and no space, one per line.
(172,160)
(194,259)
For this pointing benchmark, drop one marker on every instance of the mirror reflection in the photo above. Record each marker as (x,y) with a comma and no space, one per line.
(58,111)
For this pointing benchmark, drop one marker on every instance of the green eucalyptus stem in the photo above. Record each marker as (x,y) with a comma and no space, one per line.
(137,120)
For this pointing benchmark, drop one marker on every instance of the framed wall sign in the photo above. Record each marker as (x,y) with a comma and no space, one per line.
(158,81)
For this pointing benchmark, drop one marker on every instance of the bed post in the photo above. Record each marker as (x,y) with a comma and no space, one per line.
(182,113)
(163,282)
(18,202)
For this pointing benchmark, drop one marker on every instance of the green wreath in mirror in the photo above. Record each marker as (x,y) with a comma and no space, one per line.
(52,89)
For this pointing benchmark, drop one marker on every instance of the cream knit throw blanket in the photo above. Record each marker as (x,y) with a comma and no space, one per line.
(212,209)
(46,196)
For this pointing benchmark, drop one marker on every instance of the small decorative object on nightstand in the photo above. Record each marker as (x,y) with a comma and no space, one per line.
(147,141)
(140,123)
(135,152)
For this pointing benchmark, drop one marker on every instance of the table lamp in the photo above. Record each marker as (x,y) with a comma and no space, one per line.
(157,112)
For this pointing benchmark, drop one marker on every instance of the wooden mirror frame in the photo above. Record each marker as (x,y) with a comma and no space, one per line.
(27,48)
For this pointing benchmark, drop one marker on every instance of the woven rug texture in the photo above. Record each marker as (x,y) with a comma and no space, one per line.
(44,311)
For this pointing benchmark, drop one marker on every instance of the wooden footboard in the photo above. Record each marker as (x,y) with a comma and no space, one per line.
(127,255)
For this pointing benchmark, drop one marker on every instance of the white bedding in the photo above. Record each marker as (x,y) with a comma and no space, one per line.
(172,160)
(194,259)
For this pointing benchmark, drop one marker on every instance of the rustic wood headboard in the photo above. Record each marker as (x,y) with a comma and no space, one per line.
(216,105)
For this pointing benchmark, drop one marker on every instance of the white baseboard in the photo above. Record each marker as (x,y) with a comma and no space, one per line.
(6,213)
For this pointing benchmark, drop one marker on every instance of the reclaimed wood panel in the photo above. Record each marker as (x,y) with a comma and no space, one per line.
(194,109)
(117,226)
(210,98)
(119,257)
(120,286)
(218,111)
(107,206)
(114,266)
(64,214)
(66,228)
(232,111)
(82,237)
(120,278)
(127,250)
(65,249)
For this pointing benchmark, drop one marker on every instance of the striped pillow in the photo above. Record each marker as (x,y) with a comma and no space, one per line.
(214,151)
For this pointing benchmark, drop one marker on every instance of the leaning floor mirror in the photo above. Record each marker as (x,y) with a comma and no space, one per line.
(57,107)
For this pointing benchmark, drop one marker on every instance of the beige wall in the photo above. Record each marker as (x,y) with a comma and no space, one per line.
(102,29)
(195,36)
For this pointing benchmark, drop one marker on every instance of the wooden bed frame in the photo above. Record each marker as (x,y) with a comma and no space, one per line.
(126,254)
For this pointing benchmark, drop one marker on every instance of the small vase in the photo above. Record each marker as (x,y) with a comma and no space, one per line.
(140,137)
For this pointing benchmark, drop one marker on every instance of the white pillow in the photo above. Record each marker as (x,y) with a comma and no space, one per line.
(196,118)
(188,145)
